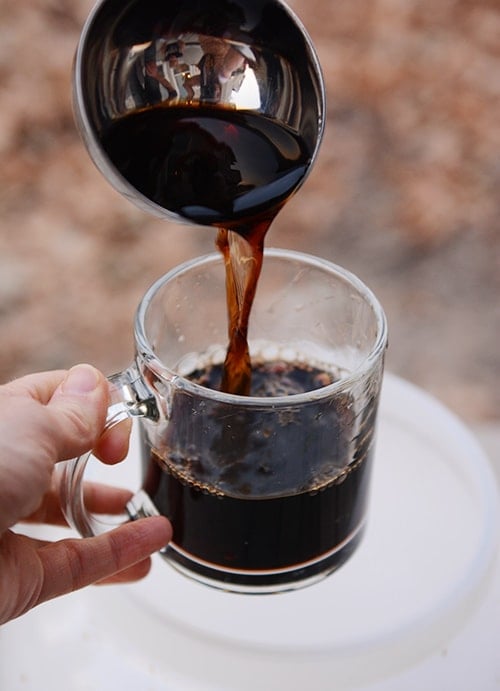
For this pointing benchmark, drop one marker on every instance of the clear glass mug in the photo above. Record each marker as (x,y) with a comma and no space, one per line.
(267,492)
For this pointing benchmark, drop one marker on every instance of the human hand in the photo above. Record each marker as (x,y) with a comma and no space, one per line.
(46,418)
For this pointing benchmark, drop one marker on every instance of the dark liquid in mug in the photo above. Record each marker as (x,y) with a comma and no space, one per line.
(260,491)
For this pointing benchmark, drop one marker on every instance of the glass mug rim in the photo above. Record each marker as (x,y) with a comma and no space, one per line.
(154,363)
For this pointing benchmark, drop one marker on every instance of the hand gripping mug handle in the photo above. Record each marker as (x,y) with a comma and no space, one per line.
(130,398)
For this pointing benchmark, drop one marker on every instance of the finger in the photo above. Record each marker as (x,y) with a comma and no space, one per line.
(60,388)
(98,498)
(78,410)
(113,444)
(66,413)
(133,573)
(74,397)
(128,575)
(39,386)
(72,564)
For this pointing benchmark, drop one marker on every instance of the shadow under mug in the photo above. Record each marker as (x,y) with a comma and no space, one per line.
(267,492)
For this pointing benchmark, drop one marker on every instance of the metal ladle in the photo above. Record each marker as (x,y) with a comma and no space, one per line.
(252,56)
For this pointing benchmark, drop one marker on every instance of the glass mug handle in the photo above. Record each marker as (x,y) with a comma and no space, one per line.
(130,398)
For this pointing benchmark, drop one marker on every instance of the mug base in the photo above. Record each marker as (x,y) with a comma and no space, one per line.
(263,582)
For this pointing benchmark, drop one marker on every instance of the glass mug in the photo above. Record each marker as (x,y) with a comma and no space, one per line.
(267,492)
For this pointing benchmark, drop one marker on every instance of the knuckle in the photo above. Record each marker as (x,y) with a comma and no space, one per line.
(74,565)
(81,427)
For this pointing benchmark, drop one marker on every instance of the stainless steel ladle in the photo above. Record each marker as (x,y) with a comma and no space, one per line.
(248,55)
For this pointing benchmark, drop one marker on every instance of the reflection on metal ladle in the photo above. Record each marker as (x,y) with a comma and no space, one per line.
(194,68)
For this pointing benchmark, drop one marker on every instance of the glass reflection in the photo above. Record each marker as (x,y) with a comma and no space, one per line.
(192,68)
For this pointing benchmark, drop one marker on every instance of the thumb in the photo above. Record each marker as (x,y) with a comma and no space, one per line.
(78,409)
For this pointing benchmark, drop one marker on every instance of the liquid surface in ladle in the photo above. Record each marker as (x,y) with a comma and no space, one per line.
(222,167)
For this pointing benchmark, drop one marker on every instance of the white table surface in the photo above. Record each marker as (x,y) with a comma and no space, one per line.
(417,607)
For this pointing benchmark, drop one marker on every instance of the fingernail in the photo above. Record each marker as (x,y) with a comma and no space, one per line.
(80,379)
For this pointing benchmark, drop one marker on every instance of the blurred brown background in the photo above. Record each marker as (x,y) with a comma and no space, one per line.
(404,193)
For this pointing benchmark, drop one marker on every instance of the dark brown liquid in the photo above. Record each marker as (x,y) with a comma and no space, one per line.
(260,490)
(211,165)
(221,167)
